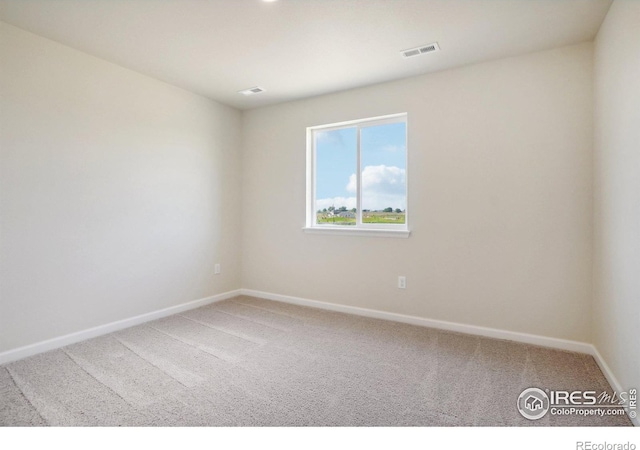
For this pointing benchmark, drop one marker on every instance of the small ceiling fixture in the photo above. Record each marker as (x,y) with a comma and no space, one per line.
(252,91)
(428,48)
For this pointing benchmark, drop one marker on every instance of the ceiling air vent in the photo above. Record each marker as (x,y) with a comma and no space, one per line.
(420,50)
(252,91)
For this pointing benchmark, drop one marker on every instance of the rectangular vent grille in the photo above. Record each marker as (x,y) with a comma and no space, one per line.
(252,91)
(420,50)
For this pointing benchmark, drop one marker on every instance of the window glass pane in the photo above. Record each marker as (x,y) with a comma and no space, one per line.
(384,164)
(336,165)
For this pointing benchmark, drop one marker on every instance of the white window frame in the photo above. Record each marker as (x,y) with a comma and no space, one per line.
(360,229)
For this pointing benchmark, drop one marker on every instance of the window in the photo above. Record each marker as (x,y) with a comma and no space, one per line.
(357,177)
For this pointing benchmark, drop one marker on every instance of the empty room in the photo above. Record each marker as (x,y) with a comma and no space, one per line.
(319,213)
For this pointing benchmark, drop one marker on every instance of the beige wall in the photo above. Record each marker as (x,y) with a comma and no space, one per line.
(500,198)
(616,316)
(118,193)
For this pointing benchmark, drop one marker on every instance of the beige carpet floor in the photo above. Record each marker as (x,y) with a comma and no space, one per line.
(253,362)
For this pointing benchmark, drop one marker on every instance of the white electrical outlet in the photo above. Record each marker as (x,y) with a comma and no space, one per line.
(402,282)
(216,269)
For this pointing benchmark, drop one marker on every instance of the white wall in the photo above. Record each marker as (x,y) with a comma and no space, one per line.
(616,317)
(500,192)
(118,193)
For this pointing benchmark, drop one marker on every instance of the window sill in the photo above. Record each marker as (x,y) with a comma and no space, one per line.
(335,231)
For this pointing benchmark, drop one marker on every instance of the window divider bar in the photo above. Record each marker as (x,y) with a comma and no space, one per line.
(358,180)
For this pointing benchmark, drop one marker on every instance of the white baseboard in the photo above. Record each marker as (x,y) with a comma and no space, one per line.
(543,341)
(51,344)
(562,344)
(611,378)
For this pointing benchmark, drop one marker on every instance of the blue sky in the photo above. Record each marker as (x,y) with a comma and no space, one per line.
(383,162)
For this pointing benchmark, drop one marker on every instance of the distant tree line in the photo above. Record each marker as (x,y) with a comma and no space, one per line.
(353,210)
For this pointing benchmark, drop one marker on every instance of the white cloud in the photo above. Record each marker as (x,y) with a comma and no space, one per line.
(394,148)
(382,187)
(322,136)
(380,180)
(330,137)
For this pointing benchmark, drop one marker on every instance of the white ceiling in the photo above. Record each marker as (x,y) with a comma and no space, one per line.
(301,48)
